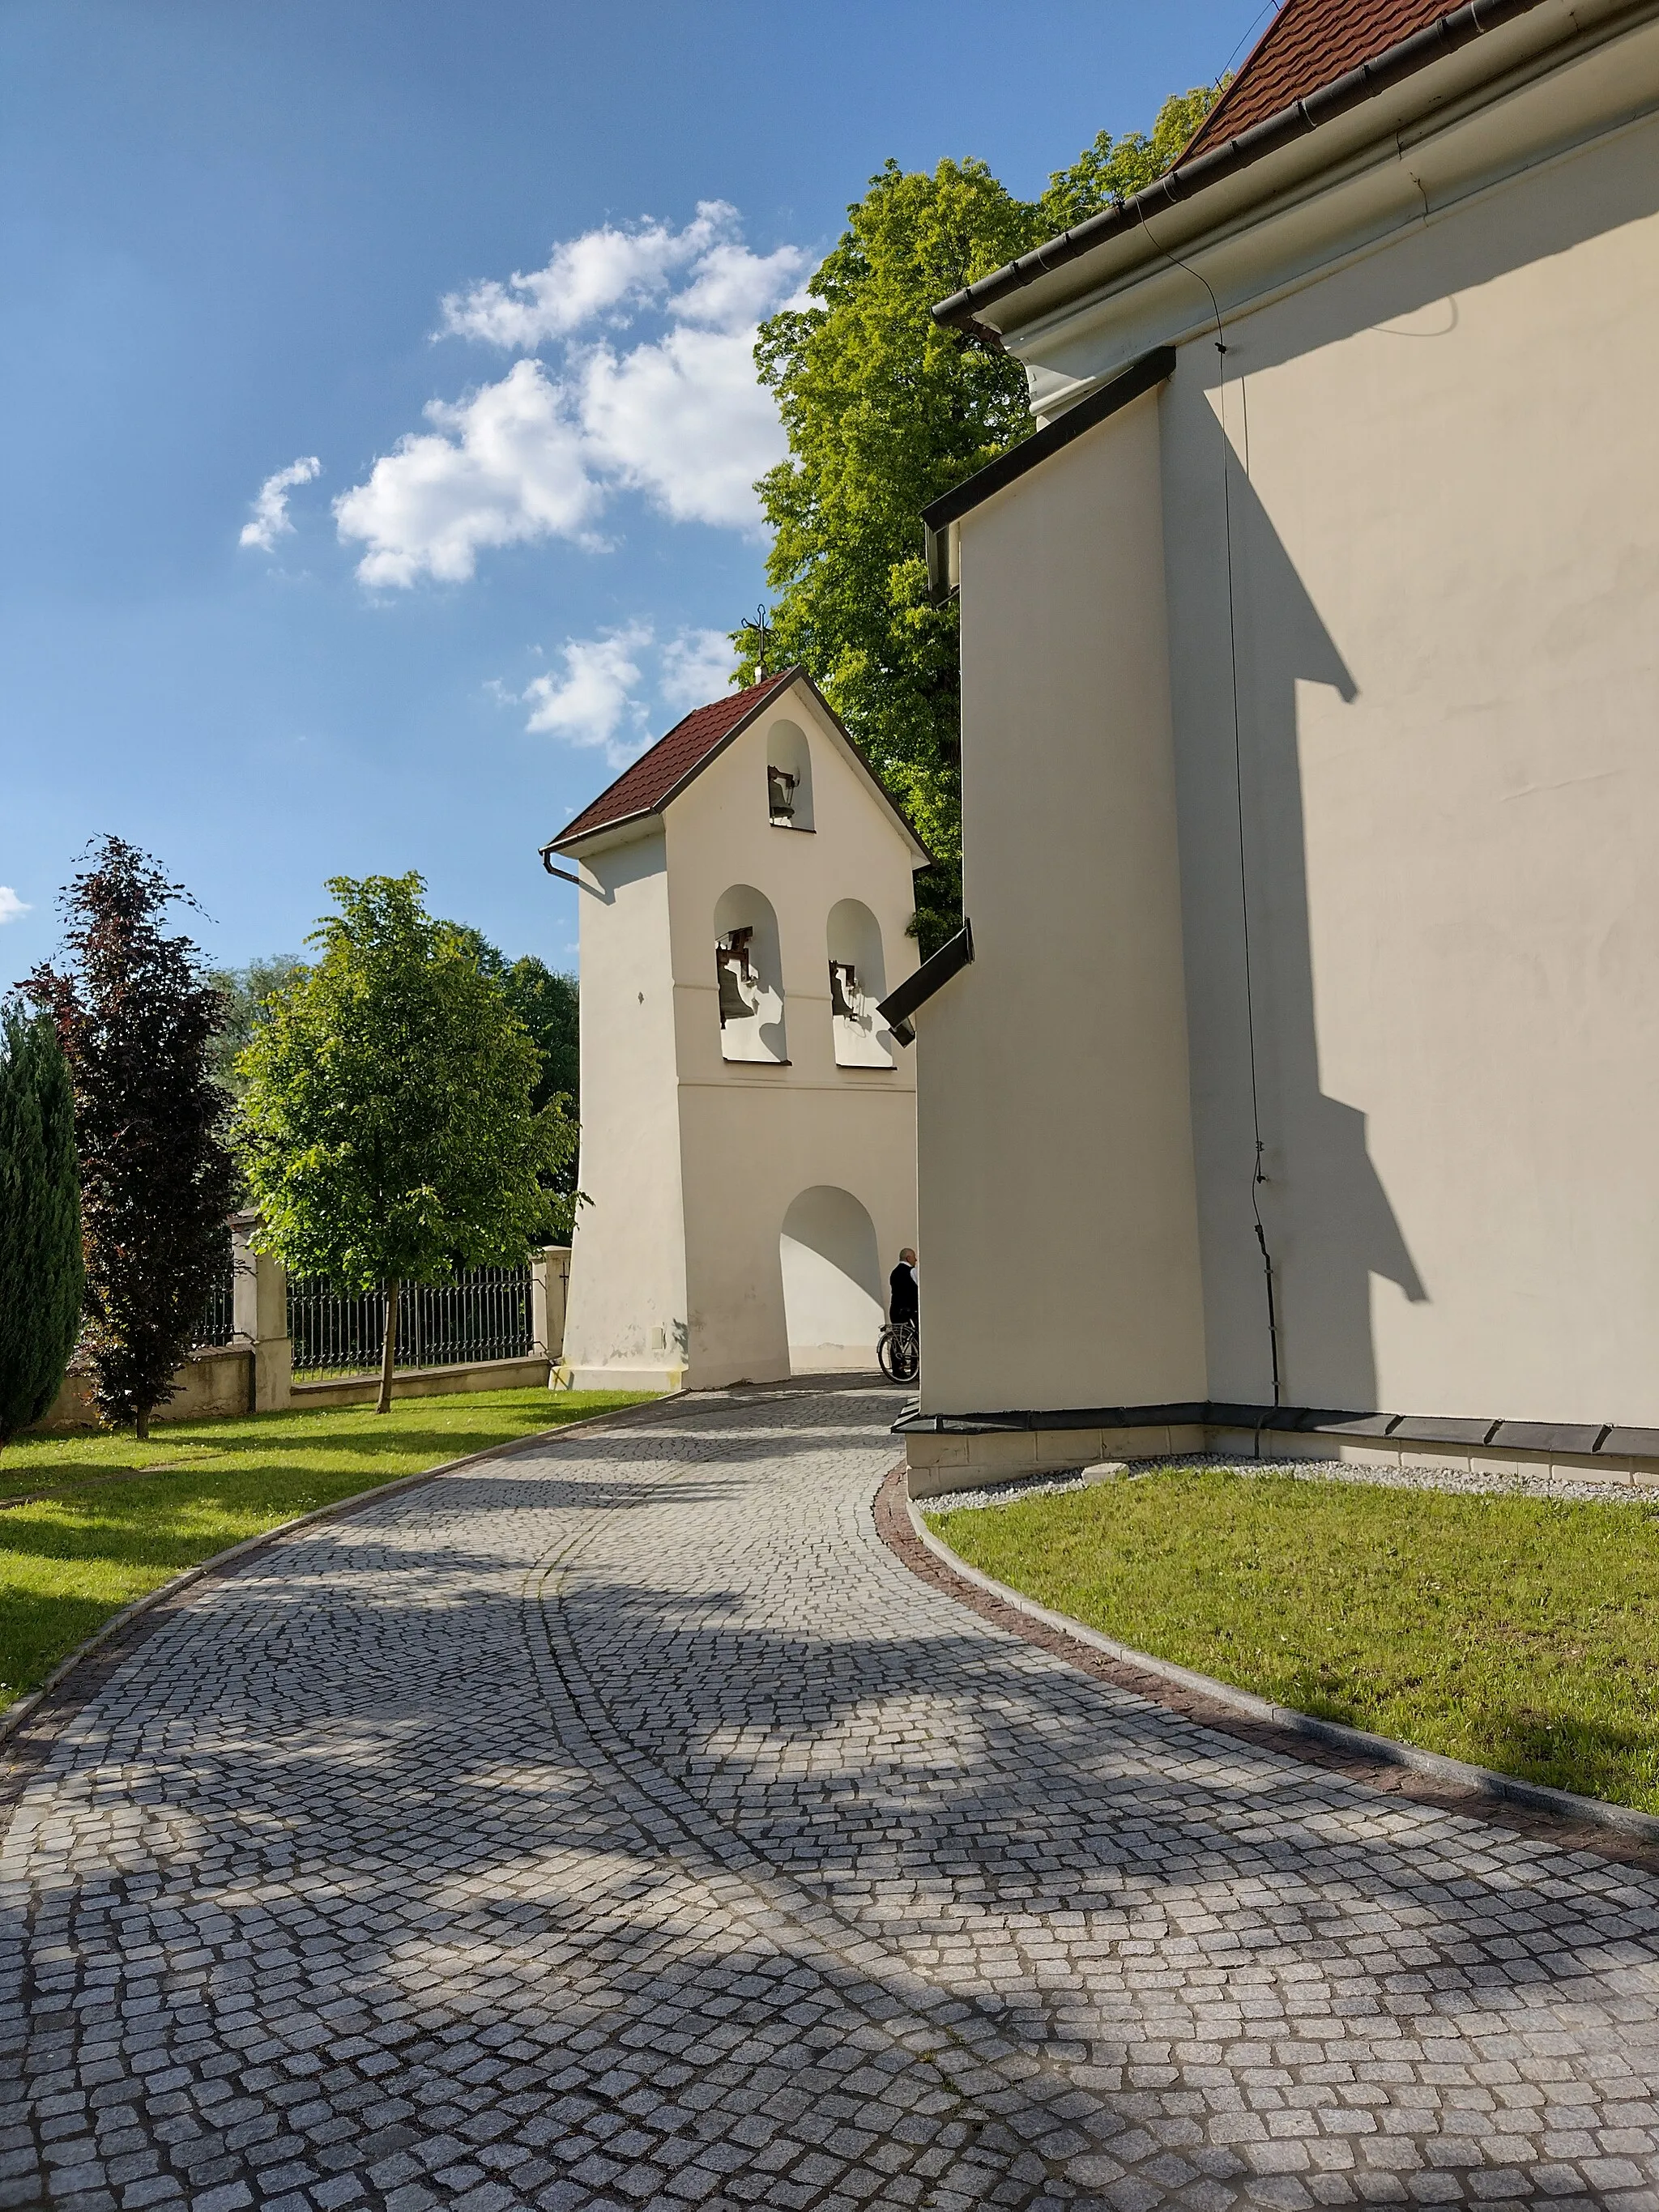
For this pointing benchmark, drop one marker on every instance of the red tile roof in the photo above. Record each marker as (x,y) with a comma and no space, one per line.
(1309,43)
(644,787)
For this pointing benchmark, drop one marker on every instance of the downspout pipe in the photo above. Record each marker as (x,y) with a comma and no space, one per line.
(1405,58)
(563,874)
(898,1007)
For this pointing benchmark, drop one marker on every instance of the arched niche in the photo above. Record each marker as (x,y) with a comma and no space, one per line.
(831,1281)
(788,777)
(749,972)
(857,984)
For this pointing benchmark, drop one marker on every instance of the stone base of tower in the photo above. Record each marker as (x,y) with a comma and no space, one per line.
(658,1380)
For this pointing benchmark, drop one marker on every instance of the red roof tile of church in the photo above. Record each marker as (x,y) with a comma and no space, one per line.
(1309,43)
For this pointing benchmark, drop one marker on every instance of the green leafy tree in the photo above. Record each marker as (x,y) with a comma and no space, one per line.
(386,1128)
(41,1272)
(136,1015)
(245,992)
(548,1004)
(885,412)
(1117,168)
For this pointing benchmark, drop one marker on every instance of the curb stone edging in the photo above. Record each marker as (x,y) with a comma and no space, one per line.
(1358,1744)
(18,1716)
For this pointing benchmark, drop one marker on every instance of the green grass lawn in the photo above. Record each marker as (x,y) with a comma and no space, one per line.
(114,1517)
(1521,1633)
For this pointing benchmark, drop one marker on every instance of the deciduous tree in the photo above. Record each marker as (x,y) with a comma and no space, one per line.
(136,1013)
(244,992)
(41,1272)
(548,1004)
(885,412)
(386,1127)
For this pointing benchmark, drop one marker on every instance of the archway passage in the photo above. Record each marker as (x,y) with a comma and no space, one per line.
(831,1282)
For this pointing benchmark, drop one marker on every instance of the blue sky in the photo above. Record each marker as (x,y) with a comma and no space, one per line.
(510,520)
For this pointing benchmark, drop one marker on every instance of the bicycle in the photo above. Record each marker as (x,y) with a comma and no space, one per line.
(898,1349)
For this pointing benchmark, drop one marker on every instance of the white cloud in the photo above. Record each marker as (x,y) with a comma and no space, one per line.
(686,421)
(12,909)
(600,697)
(697,666)
(503,465)
(677,415)
(594,703)
(586,276)
(270,519)
(732,289)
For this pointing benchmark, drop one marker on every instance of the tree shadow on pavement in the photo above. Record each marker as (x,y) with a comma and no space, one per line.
(577,1824)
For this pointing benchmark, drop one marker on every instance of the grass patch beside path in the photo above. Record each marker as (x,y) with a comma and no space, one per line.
(1519,1633)
(113,1519)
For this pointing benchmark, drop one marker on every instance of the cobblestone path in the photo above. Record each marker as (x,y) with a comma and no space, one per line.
(620,1823)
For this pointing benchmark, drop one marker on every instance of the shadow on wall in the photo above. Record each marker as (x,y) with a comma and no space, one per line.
(831,1281)
(1329,1224)
(1329,1221)
(857,984)
(749,970)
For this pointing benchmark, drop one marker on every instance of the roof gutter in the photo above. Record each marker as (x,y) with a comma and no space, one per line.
(1187,179)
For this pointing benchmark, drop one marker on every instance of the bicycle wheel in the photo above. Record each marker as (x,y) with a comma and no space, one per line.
(896,1352)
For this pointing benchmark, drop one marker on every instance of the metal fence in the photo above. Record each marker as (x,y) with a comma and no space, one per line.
(483,1314)
(218,1323)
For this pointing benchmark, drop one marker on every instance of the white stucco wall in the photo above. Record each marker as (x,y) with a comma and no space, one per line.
(1059,1230)
(1445,570)
(696,1158)
(1446,562)
(753,1138)
(626,1324)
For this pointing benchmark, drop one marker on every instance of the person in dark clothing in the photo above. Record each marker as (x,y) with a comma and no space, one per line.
(903,1290)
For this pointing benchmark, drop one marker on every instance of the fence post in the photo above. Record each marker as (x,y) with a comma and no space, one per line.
(549,1279)
(260,1309)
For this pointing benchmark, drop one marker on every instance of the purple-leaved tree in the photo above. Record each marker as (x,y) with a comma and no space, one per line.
(136,1012)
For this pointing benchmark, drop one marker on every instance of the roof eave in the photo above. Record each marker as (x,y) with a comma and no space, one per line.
(604,833)
(941,518)
(1259,149)
(568,842)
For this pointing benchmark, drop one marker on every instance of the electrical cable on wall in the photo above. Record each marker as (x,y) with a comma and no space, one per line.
(1259,1176)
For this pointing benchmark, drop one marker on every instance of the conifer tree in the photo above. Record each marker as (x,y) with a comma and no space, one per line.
(136,1012)
(41,1273)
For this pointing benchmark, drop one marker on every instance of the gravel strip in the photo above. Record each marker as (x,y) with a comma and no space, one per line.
(1538,1483)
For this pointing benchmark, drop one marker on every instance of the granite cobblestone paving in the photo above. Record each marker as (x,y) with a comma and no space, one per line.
(620,1823)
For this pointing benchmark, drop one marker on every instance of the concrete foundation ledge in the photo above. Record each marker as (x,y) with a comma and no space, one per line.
(1483,1780)
(946,1451)
(424,1382)
(661,1382)
(212,1384)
